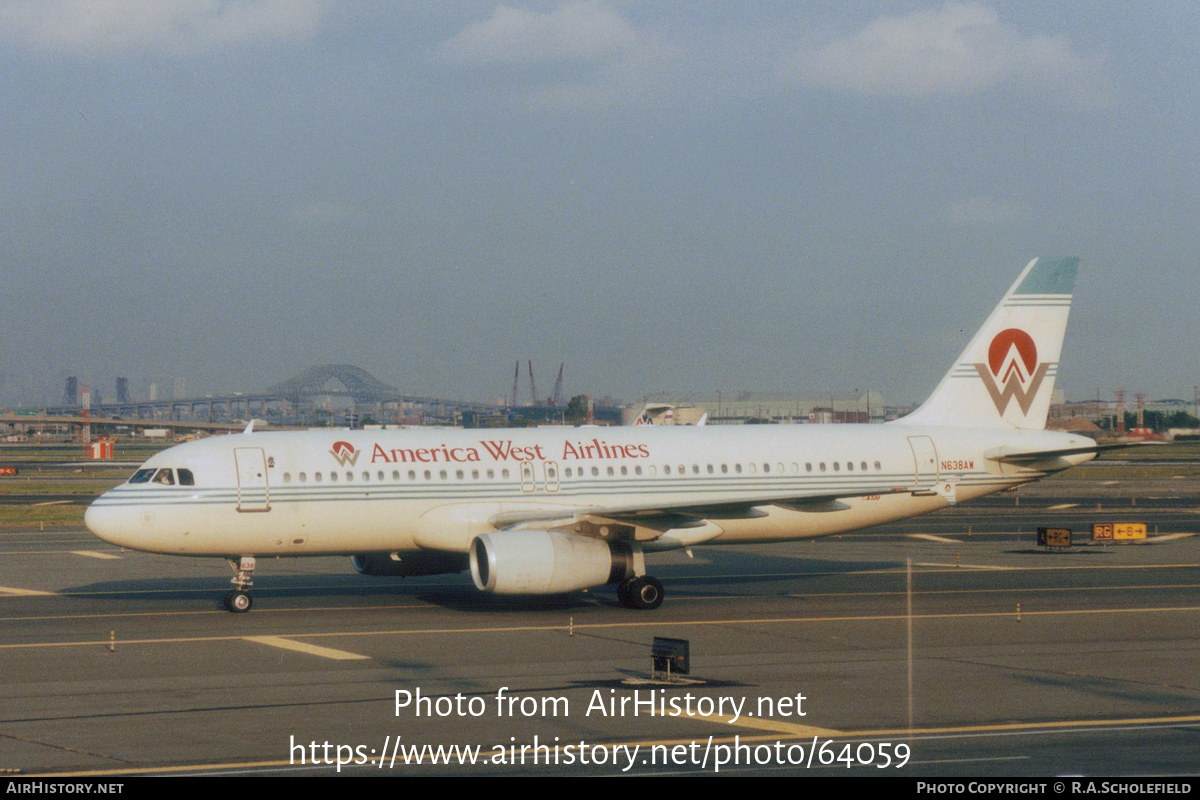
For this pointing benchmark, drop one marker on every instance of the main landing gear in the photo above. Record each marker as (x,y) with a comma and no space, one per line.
(641,592)
(635,589)
(237,599)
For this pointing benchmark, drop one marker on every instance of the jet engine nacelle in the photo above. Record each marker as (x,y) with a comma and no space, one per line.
(409,565)
(546,562)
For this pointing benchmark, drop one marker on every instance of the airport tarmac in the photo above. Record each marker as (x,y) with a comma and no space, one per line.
(1023,662)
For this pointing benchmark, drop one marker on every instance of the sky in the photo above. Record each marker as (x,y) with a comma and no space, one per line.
(673,197)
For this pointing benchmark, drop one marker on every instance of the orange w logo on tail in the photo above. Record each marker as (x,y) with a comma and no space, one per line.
(1013,355)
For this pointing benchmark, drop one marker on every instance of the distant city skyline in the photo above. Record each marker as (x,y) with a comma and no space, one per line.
(177,387)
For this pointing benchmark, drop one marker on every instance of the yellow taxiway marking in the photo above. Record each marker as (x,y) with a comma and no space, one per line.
(93,554)
(224,613)
(484,760)
(660,623)
(1030,726)
(302,647)
(10,592)
(932,568)
(1021,590)
(762,724)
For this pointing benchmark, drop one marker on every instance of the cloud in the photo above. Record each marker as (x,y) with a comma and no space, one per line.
(104,26)
(578,30)
(980,212)
(581,55)
(959,49)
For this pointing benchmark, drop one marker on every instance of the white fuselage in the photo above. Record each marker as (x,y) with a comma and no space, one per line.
(402,491)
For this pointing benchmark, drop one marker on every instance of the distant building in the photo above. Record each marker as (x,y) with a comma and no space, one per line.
(740,408)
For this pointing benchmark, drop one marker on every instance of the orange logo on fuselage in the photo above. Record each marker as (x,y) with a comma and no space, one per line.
(1012,371)
(345,453)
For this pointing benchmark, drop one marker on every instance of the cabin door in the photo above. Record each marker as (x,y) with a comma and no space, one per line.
(924,460)
(253,492)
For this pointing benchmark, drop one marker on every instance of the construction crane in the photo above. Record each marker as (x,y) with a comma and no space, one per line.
(554,400)
(556,397)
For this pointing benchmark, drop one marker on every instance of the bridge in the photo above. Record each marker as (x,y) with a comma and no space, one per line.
(302,400)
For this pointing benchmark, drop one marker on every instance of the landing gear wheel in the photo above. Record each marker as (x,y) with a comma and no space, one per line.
(238,601)
(644,593)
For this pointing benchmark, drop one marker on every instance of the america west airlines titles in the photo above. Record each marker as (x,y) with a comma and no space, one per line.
(496,449)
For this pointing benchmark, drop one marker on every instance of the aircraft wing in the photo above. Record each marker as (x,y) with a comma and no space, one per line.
(667,516)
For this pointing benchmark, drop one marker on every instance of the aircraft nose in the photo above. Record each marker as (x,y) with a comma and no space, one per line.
(108,522)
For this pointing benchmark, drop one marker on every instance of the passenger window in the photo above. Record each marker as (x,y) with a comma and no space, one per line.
(710,469)
(666,469)
(287,478)
(504,474)
(474,474)
(412,475)
(491,474)
(333,476)
(317,477)
(395,475)
(837,467)
(737,468)
(428,475)
(877,467)
(303,477)
(795,467)
(822,466)
(187,479)
(349,476)
(595,471)
(724,469)
(624,470)
(442,474)
(458,474)
(850,465)
(808,466)
(864,466)
(766,467)
(610,472)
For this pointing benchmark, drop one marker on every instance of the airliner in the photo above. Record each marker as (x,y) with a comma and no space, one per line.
(555,510)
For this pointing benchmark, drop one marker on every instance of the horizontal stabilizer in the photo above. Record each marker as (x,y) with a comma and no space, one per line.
(1014,455)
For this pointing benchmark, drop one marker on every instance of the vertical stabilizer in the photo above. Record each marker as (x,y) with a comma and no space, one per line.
(1006,374)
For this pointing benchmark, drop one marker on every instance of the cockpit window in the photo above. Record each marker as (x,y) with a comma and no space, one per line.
(165,477)
(141,476)
(186,478)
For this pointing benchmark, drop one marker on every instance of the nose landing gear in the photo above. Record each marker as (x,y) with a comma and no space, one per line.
(237,599)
